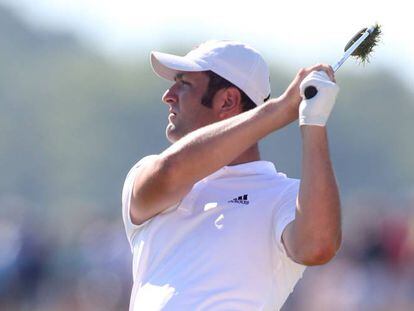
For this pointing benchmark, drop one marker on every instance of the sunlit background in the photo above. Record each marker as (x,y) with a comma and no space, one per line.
(79,106)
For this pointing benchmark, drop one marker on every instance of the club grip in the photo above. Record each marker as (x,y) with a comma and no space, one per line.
(310,92)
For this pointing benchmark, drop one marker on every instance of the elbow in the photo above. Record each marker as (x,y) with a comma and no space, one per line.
(321,253)
(319,257)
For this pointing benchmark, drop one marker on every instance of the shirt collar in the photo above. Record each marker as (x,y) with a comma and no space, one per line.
(248,168)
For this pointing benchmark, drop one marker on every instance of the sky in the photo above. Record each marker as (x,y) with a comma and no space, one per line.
(297,33)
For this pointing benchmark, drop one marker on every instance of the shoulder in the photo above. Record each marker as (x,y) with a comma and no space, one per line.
(290,184)
(285,184)
(284,192)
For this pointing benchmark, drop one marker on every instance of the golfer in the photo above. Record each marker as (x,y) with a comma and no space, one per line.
(211,225)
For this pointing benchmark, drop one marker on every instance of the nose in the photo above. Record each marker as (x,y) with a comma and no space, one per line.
(170,96)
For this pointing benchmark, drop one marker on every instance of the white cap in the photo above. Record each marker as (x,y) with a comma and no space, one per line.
(234,61)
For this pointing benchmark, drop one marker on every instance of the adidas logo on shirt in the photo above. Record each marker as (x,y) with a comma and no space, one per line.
(240,200)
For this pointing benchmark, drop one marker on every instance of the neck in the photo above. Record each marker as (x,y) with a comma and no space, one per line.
(251,154)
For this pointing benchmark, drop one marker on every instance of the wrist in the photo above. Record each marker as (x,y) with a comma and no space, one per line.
(277,112)
(290,104)
(312,131)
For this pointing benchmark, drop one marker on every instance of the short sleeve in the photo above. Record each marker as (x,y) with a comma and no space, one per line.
(130,228)
(285,211)
(288,271)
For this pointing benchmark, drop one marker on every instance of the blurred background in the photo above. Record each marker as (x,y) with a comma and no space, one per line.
(79,106)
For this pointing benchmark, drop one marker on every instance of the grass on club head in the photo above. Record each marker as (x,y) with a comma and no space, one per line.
(363,51)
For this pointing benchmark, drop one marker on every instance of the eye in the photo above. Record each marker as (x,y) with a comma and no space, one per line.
(180,79)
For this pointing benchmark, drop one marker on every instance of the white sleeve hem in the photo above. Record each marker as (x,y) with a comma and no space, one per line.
(279,233)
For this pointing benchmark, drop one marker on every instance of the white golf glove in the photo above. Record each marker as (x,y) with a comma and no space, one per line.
(316,110)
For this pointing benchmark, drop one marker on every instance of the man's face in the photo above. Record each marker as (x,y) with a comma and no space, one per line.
(186,113)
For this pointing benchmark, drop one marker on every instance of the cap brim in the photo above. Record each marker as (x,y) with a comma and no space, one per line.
(167,65)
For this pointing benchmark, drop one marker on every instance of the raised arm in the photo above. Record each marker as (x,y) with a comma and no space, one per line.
(315,235)
(163,181)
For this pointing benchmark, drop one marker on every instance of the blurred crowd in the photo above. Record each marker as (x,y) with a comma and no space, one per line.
(44,269)
(374,269)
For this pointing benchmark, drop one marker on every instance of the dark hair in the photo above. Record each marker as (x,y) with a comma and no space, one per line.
(217,83)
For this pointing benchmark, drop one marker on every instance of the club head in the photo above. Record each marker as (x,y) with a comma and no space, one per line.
(363,51)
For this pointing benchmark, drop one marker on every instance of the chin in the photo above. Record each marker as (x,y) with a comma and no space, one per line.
(171,140)
(171,135)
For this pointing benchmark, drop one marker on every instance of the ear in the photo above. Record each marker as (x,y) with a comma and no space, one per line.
(229,103)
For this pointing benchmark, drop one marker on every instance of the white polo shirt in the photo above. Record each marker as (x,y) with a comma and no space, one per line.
(220,247)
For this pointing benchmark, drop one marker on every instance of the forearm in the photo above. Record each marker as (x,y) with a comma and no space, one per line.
(318,216)
(207,149)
